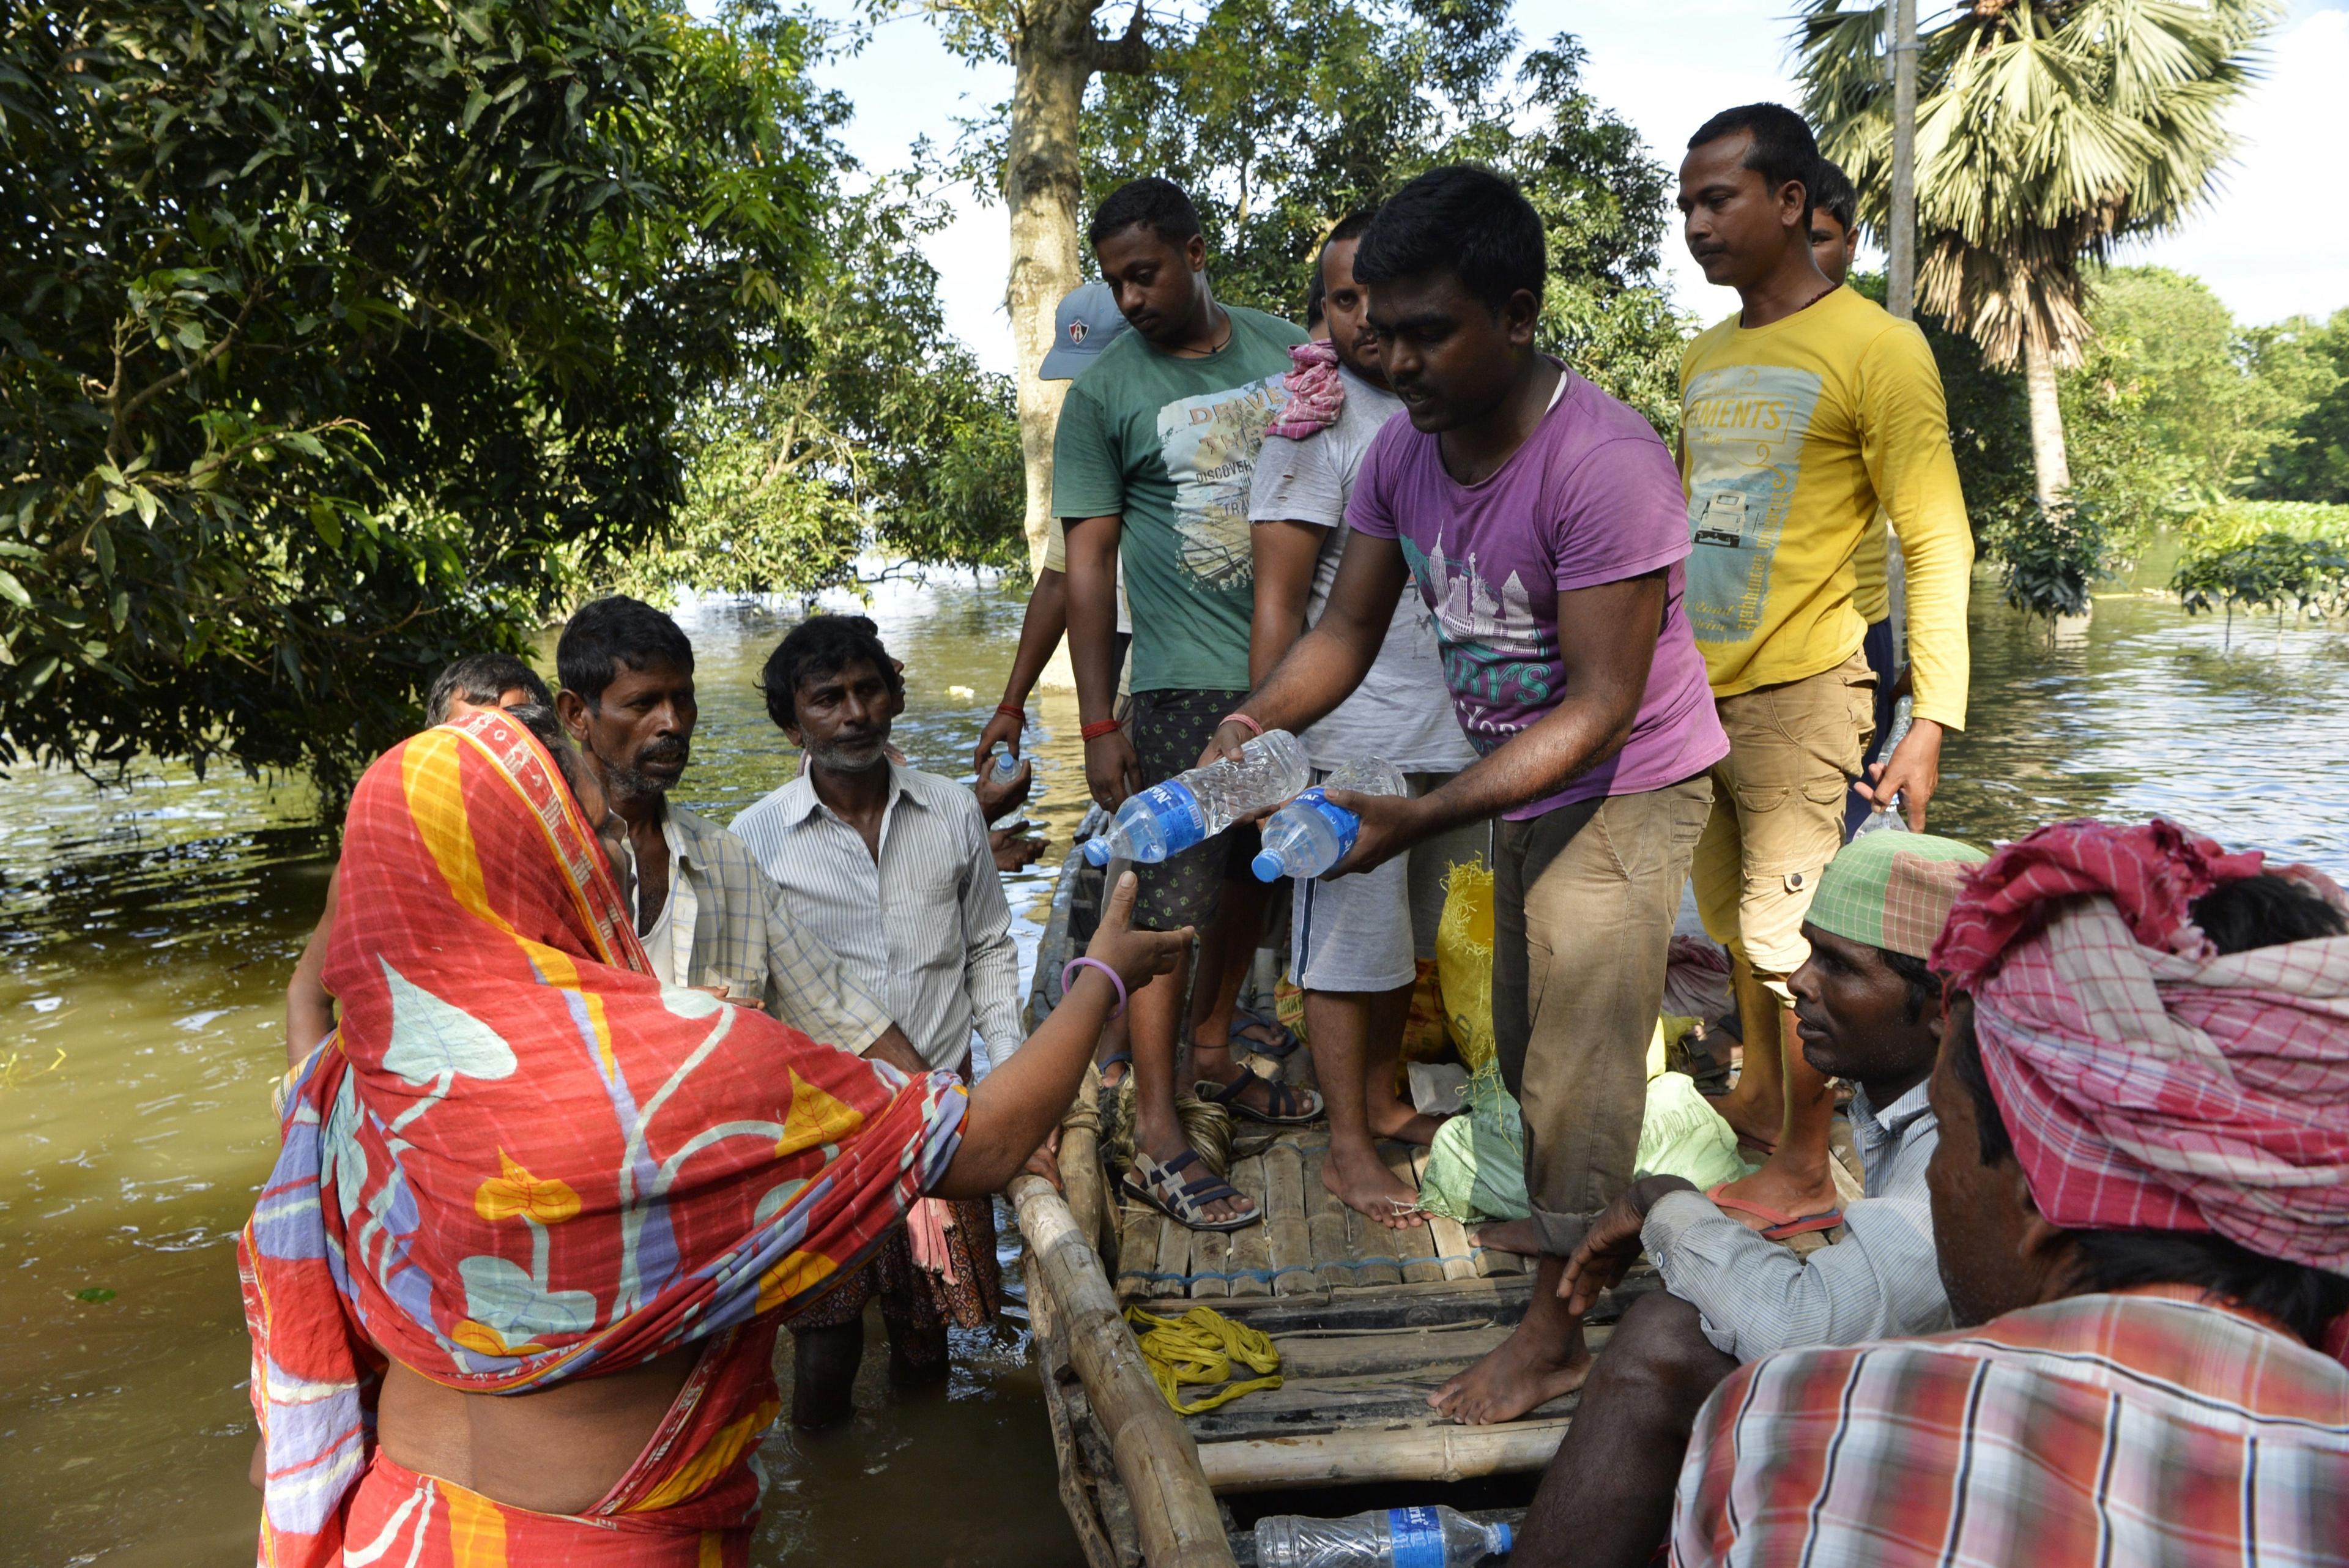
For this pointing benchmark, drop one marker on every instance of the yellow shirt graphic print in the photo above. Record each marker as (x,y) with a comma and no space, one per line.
(1209,444)
(1744,426)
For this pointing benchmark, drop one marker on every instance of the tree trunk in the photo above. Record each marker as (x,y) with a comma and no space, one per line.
(2053,469)
(1054,59)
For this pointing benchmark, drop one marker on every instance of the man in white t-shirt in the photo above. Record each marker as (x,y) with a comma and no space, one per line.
(1358,945)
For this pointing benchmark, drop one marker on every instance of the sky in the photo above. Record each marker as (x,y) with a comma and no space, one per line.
(1663,65)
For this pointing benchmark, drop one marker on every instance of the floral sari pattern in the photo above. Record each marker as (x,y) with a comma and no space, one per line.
(521,1160)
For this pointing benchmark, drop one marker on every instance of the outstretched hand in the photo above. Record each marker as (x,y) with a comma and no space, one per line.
(1390,825)
(1002,729)
(1138,957)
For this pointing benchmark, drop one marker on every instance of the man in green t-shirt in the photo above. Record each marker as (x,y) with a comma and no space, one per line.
(1156,448)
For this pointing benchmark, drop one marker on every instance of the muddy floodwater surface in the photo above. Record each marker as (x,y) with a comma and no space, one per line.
(146,933)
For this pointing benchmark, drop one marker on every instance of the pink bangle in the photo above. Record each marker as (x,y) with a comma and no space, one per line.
(1075,965)
(1254,728)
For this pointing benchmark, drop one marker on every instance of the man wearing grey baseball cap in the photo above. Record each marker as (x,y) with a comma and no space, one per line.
(1086,322)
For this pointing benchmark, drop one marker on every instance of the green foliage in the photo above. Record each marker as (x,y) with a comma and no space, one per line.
(332,327)
(2046,132)
(2312,463)
(884,435)
(2274,571)
(2048,555)
(2215,396)
(1278,116)
(2234,523)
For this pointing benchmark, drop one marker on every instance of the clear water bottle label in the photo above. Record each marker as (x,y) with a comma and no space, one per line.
(1415,1537)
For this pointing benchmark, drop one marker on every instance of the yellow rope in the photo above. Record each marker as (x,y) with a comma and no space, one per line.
(1200,1347)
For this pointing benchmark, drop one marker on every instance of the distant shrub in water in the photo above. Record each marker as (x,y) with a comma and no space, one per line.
(2048,556)
(2274,571)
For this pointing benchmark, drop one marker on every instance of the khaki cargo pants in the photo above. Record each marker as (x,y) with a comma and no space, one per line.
(1583,902)
(1778,812)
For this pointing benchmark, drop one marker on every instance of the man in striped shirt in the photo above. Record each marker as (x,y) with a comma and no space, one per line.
(891,868)
(1868,1010)
(2144,1101)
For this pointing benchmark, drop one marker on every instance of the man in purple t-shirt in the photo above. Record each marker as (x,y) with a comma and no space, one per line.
(1543,523)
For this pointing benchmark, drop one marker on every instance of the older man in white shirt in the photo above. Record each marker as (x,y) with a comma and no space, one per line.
(891,868)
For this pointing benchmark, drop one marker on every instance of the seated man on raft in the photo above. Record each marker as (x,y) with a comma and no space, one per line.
(1869,1010)
(2142,1222)
(515,1279)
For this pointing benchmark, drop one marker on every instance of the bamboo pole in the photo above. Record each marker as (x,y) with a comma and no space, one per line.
(1445,1453)
(1174,1514)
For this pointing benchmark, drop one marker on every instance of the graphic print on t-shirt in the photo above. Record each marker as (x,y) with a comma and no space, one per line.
(1209,443)
(1496,654)
(1744,427)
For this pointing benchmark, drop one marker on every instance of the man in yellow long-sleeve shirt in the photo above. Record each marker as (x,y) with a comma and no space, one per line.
(1799,417)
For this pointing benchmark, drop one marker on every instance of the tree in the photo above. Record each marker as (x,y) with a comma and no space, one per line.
(2311,464)
(1055,53)
(2217,396)
(2047,130)
(884,434)
(331,327)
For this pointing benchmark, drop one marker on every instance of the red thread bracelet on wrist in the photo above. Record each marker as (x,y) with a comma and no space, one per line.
(1095,731)
(1254,728)
(1009,712)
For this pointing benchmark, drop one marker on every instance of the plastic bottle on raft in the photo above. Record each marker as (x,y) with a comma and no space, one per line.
(1193,807)
(1382,1538)
(1887,818)
(1308,836)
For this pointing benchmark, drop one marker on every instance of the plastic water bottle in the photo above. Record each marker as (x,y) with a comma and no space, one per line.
(1308,836)
(1193,807)
(1004,767)
(1387,1537)
(1887,817)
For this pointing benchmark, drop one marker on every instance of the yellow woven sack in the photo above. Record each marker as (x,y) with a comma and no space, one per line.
(1463,961)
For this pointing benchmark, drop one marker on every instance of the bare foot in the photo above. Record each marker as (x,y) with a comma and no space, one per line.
(1364,1184)
(1789,1191)
(1519,1236)
(1518,1375)
(1399,1122)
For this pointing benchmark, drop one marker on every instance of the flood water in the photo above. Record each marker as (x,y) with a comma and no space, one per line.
(146,934)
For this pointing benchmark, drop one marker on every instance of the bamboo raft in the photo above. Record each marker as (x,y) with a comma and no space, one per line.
(1368,1322)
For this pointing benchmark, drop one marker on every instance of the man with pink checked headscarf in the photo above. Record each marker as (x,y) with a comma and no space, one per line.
(2141,1210)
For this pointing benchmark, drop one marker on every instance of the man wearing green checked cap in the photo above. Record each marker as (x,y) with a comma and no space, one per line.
(1869,1012)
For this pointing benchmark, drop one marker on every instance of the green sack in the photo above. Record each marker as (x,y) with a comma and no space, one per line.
(1682,1135)
(1476,1171)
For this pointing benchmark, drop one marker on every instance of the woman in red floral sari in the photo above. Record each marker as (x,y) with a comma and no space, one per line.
(513,1284)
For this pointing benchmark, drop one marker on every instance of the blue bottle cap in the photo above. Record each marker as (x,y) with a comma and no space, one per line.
(1267,866)
(1506,1538)
(1097,851)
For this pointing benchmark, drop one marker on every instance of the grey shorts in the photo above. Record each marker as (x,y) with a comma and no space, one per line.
(1366,933)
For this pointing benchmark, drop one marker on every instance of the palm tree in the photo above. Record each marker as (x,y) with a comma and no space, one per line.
(2047,131)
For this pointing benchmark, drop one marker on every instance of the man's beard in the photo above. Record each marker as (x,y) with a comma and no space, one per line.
(627,783)
(853,755)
